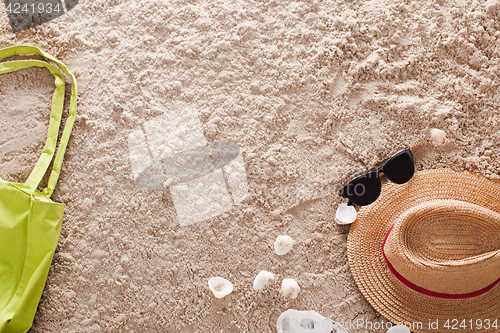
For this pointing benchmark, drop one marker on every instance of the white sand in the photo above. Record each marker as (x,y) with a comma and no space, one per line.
(314,92)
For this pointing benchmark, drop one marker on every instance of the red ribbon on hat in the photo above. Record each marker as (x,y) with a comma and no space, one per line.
(426,291)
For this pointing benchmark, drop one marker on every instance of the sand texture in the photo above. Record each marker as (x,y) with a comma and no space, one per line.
(314,92)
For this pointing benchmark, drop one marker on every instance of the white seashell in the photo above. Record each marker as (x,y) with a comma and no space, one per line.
(294,321)
(220,286)
(345,214)
(283,245)
(290,288)
(262,280)
(437,135)
(398,329)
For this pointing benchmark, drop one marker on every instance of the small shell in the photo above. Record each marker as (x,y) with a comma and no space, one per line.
(220,286)
(262,280)
(294,321)
(290,288)
(398,329)
(283,245)
(345,214)
(437,135)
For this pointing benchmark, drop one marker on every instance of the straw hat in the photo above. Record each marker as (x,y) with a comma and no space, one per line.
(428,252)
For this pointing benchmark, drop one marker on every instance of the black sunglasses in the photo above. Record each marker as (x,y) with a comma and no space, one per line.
(366,188)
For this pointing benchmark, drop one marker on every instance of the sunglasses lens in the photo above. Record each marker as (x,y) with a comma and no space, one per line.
(363,190)
(400,168)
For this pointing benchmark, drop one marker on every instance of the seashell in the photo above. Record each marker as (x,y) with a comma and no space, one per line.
(290,288)
(398,329)
(283,245)
(437,135)
(262,280)
(345,214)
(220,286)
(294,321)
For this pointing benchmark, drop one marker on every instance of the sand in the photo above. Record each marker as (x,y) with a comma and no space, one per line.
(314,93)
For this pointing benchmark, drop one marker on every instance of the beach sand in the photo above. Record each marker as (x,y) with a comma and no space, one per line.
(314,93)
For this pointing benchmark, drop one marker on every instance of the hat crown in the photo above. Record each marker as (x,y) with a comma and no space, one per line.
(446,246)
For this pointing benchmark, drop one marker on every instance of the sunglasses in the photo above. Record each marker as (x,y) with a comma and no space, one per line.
(366,188)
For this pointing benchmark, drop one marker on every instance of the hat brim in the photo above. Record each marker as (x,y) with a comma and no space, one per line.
(390,297)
